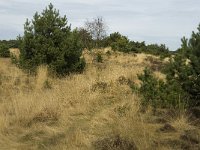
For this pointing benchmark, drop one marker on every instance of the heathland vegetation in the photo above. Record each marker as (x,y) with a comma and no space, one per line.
(63,88)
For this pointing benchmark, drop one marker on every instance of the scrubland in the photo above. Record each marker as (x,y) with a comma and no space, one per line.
(93,110)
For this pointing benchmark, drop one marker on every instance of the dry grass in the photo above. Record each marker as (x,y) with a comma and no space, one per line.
(42,77)
(15,52)
(72,114)
(181,123)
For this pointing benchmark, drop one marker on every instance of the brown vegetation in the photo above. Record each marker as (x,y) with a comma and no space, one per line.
(93,110)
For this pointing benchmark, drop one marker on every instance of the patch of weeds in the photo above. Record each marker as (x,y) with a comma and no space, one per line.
(41,139)
(156,64)
(114,143)
(122,110)
(101,86)
(171,143)
(47,84)
(1,79)
(108,53)
(99,58)
(167,128)
(51,141)
(191,136)
(125,81)
(47,116)
(17,81)
(31,136)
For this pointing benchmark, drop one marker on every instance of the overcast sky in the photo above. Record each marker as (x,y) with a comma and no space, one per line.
(153,21)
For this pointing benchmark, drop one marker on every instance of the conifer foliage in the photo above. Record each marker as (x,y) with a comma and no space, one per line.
(48,39)
(185,68)
(4,52)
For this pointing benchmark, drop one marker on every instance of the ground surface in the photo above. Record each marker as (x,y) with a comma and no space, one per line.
(93,110)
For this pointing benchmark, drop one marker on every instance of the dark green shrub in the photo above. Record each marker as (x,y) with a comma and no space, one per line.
(158,50)
(119,42)
(184,68)
(6,45)
(182,87)
(10,43)
(49,40)
(4,50)
(160,94)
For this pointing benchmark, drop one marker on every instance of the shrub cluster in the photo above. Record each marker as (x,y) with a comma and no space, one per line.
(160,94)
(5,45)
(120,43)
(182,85)
(10,43)
(158,50)
(4,50)
(184,68)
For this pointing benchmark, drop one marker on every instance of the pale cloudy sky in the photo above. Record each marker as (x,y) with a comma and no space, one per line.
(153,21)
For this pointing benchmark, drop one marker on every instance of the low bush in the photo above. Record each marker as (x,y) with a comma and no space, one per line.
(159,50)
(160,94)
(119,42)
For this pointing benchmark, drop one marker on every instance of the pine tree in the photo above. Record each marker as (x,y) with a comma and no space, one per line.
(49,40)
(185,68)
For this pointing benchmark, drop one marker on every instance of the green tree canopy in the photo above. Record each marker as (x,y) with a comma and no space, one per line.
(4,50)
(48,39)
(185,67)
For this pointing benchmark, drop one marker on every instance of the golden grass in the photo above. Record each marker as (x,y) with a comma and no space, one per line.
(160,75)
(181,123)
(42,76)
(72,114)
(15,52)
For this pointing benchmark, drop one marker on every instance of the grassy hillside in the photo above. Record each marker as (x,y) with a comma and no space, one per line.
(93,110)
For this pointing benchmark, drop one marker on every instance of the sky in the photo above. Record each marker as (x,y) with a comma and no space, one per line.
(152,21)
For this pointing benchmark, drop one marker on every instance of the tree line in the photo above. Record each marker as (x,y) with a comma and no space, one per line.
(92,35)
(5,45)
